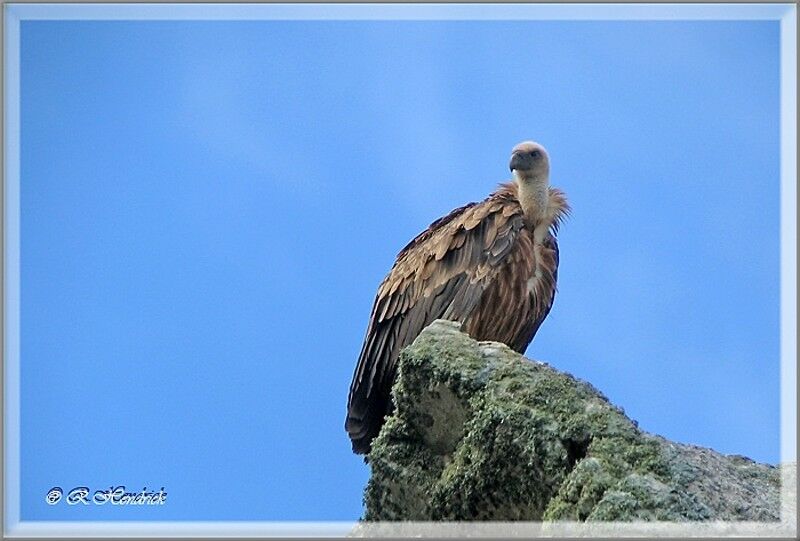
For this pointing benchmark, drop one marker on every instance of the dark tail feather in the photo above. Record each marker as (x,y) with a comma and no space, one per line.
(365,421)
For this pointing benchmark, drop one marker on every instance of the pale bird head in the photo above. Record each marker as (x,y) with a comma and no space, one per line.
(529,160)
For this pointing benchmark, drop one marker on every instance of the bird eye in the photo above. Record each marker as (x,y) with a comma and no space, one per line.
(535,154)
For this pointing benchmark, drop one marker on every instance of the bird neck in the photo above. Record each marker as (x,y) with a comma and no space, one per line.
(533,193)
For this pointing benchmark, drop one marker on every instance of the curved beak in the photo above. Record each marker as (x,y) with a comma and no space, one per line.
(520,161)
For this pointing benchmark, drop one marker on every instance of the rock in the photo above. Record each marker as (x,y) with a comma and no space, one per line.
(481,433)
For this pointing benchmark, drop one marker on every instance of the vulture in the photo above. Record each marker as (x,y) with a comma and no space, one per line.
(491,266)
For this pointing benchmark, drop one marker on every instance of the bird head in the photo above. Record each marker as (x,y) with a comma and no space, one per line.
(529,160)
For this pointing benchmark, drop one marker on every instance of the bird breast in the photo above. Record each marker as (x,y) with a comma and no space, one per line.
(542,274)
(534,282)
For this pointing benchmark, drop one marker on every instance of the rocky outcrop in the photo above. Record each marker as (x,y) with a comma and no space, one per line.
(482,433)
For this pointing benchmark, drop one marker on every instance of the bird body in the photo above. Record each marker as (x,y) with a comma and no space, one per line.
(492,266)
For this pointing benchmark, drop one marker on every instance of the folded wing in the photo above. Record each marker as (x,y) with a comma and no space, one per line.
(442,273)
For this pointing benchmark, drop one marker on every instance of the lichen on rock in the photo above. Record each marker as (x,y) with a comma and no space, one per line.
(481,433)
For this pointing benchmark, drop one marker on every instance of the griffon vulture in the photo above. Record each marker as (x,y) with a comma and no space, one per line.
(491,266)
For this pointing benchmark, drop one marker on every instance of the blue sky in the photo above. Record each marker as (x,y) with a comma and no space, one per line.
(208,208)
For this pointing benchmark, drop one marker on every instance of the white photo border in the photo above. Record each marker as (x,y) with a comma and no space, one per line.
(14,14)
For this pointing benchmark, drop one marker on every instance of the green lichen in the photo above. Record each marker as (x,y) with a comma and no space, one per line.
(582,490)
(642,497)
(481,433)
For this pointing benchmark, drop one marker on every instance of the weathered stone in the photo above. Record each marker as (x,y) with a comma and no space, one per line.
(481,433)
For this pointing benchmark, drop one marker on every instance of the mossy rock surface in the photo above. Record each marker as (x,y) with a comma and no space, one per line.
(481,433)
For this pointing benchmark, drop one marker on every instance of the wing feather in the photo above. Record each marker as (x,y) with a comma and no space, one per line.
(441,273)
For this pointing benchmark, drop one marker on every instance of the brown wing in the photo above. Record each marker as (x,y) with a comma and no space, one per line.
(511,309)
(442,273)
(542,303)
